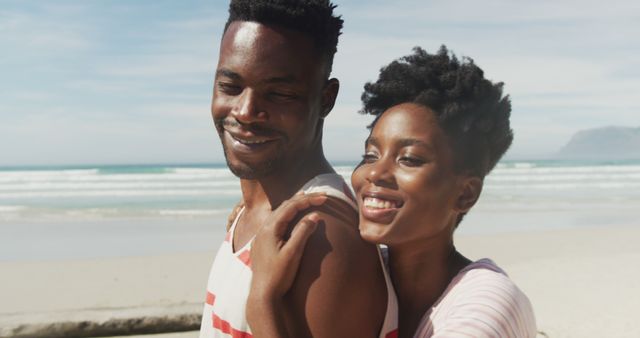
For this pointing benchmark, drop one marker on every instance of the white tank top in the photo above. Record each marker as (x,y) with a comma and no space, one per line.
(230,277)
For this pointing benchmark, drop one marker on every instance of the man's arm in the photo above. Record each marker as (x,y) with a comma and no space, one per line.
(339,290)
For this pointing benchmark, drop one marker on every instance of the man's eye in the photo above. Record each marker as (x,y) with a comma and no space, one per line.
(229,88)
(283,96)
(369,158)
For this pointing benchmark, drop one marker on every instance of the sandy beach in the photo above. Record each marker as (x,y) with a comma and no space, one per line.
(582,282)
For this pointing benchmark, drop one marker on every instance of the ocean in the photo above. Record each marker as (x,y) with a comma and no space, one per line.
(95,211)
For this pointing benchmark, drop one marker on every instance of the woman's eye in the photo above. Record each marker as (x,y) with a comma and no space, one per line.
(411,161)
(229,88)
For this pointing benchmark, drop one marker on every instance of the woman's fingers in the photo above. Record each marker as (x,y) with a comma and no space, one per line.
(289,209)
(294,247)
(234,214)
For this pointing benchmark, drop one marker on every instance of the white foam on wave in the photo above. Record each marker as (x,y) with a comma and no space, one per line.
(45,175)
(94,175)
(524,165)
(96,185)
(565,177)
(192,212)
(11,208)
(119,193)
(557,186)
(566,170)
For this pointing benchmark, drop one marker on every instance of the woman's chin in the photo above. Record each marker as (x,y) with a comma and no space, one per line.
(372,233)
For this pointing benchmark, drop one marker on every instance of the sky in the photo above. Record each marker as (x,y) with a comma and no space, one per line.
(117,82)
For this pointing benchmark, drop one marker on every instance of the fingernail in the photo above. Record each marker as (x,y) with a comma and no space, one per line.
(314,217)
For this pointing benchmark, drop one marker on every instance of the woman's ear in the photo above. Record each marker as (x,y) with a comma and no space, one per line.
(329,95)
(469,194)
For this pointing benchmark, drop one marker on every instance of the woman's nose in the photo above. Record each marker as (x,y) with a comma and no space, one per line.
(380,172)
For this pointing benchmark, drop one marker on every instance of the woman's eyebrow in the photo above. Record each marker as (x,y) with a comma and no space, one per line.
(406,142)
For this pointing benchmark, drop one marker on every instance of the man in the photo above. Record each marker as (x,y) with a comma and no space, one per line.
(271,93)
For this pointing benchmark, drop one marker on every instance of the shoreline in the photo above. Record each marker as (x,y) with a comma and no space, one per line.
(579,281)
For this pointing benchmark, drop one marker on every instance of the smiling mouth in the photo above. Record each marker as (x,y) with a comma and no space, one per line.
(250,142)
(380,204)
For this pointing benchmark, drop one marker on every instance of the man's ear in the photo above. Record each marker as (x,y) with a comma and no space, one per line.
(329,95)
(469,194)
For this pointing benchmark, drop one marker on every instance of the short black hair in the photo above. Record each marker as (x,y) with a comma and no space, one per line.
(470,109)
(312,17)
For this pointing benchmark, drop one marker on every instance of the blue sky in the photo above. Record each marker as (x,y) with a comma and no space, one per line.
(95,82)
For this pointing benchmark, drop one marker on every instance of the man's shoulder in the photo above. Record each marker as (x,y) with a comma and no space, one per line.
(339,270)
(333,185)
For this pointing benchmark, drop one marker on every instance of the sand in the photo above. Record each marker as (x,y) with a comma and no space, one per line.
(582,283)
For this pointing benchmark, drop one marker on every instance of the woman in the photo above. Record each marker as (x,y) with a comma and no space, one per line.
(439,129)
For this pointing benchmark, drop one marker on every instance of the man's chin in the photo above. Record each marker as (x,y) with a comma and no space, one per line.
(252,171)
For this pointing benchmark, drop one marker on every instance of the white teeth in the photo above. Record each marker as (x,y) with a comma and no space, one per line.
(250,141)
(376,203)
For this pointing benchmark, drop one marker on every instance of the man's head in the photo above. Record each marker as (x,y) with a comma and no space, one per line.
(314,18)
(272,90)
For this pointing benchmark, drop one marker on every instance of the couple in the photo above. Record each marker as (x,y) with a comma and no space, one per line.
(309,265)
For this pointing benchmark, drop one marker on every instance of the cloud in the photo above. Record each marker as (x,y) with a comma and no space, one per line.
(22,32)
(160,65)
(470,12)
(86,81)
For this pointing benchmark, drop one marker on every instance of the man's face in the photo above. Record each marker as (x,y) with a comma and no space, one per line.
(267,98)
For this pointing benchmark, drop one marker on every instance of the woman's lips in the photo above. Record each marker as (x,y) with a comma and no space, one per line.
(379,210)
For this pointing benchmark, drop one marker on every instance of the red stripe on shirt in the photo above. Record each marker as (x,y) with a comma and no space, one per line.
(245,257)
(392,334)
(225,327)
(211,298)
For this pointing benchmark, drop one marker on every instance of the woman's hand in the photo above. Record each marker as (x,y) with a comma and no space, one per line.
(234,214)
(275,257)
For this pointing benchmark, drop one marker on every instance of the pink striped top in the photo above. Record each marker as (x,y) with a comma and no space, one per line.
(481,301)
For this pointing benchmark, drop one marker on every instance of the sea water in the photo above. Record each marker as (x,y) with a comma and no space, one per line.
(62,212)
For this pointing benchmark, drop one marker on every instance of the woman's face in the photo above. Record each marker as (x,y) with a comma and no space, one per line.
(406,186)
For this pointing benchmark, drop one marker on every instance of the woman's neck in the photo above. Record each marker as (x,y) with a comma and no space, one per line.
(421,272)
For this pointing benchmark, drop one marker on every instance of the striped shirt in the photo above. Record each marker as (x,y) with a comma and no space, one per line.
(481,301)
(230,277)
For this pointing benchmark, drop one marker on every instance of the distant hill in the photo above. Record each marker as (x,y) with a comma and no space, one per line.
(607,143)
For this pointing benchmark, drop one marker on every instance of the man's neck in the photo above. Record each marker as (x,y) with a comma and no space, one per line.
(261,196)
(275,189)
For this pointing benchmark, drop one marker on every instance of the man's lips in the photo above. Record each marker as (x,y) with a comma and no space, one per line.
(249,138)
(247,133)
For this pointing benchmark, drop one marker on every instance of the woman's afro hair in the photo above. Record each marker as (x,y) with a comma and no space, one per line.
(470,109)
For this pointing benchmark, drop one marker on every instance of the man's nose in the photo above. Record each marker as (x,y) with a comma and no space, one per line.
(248,108)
